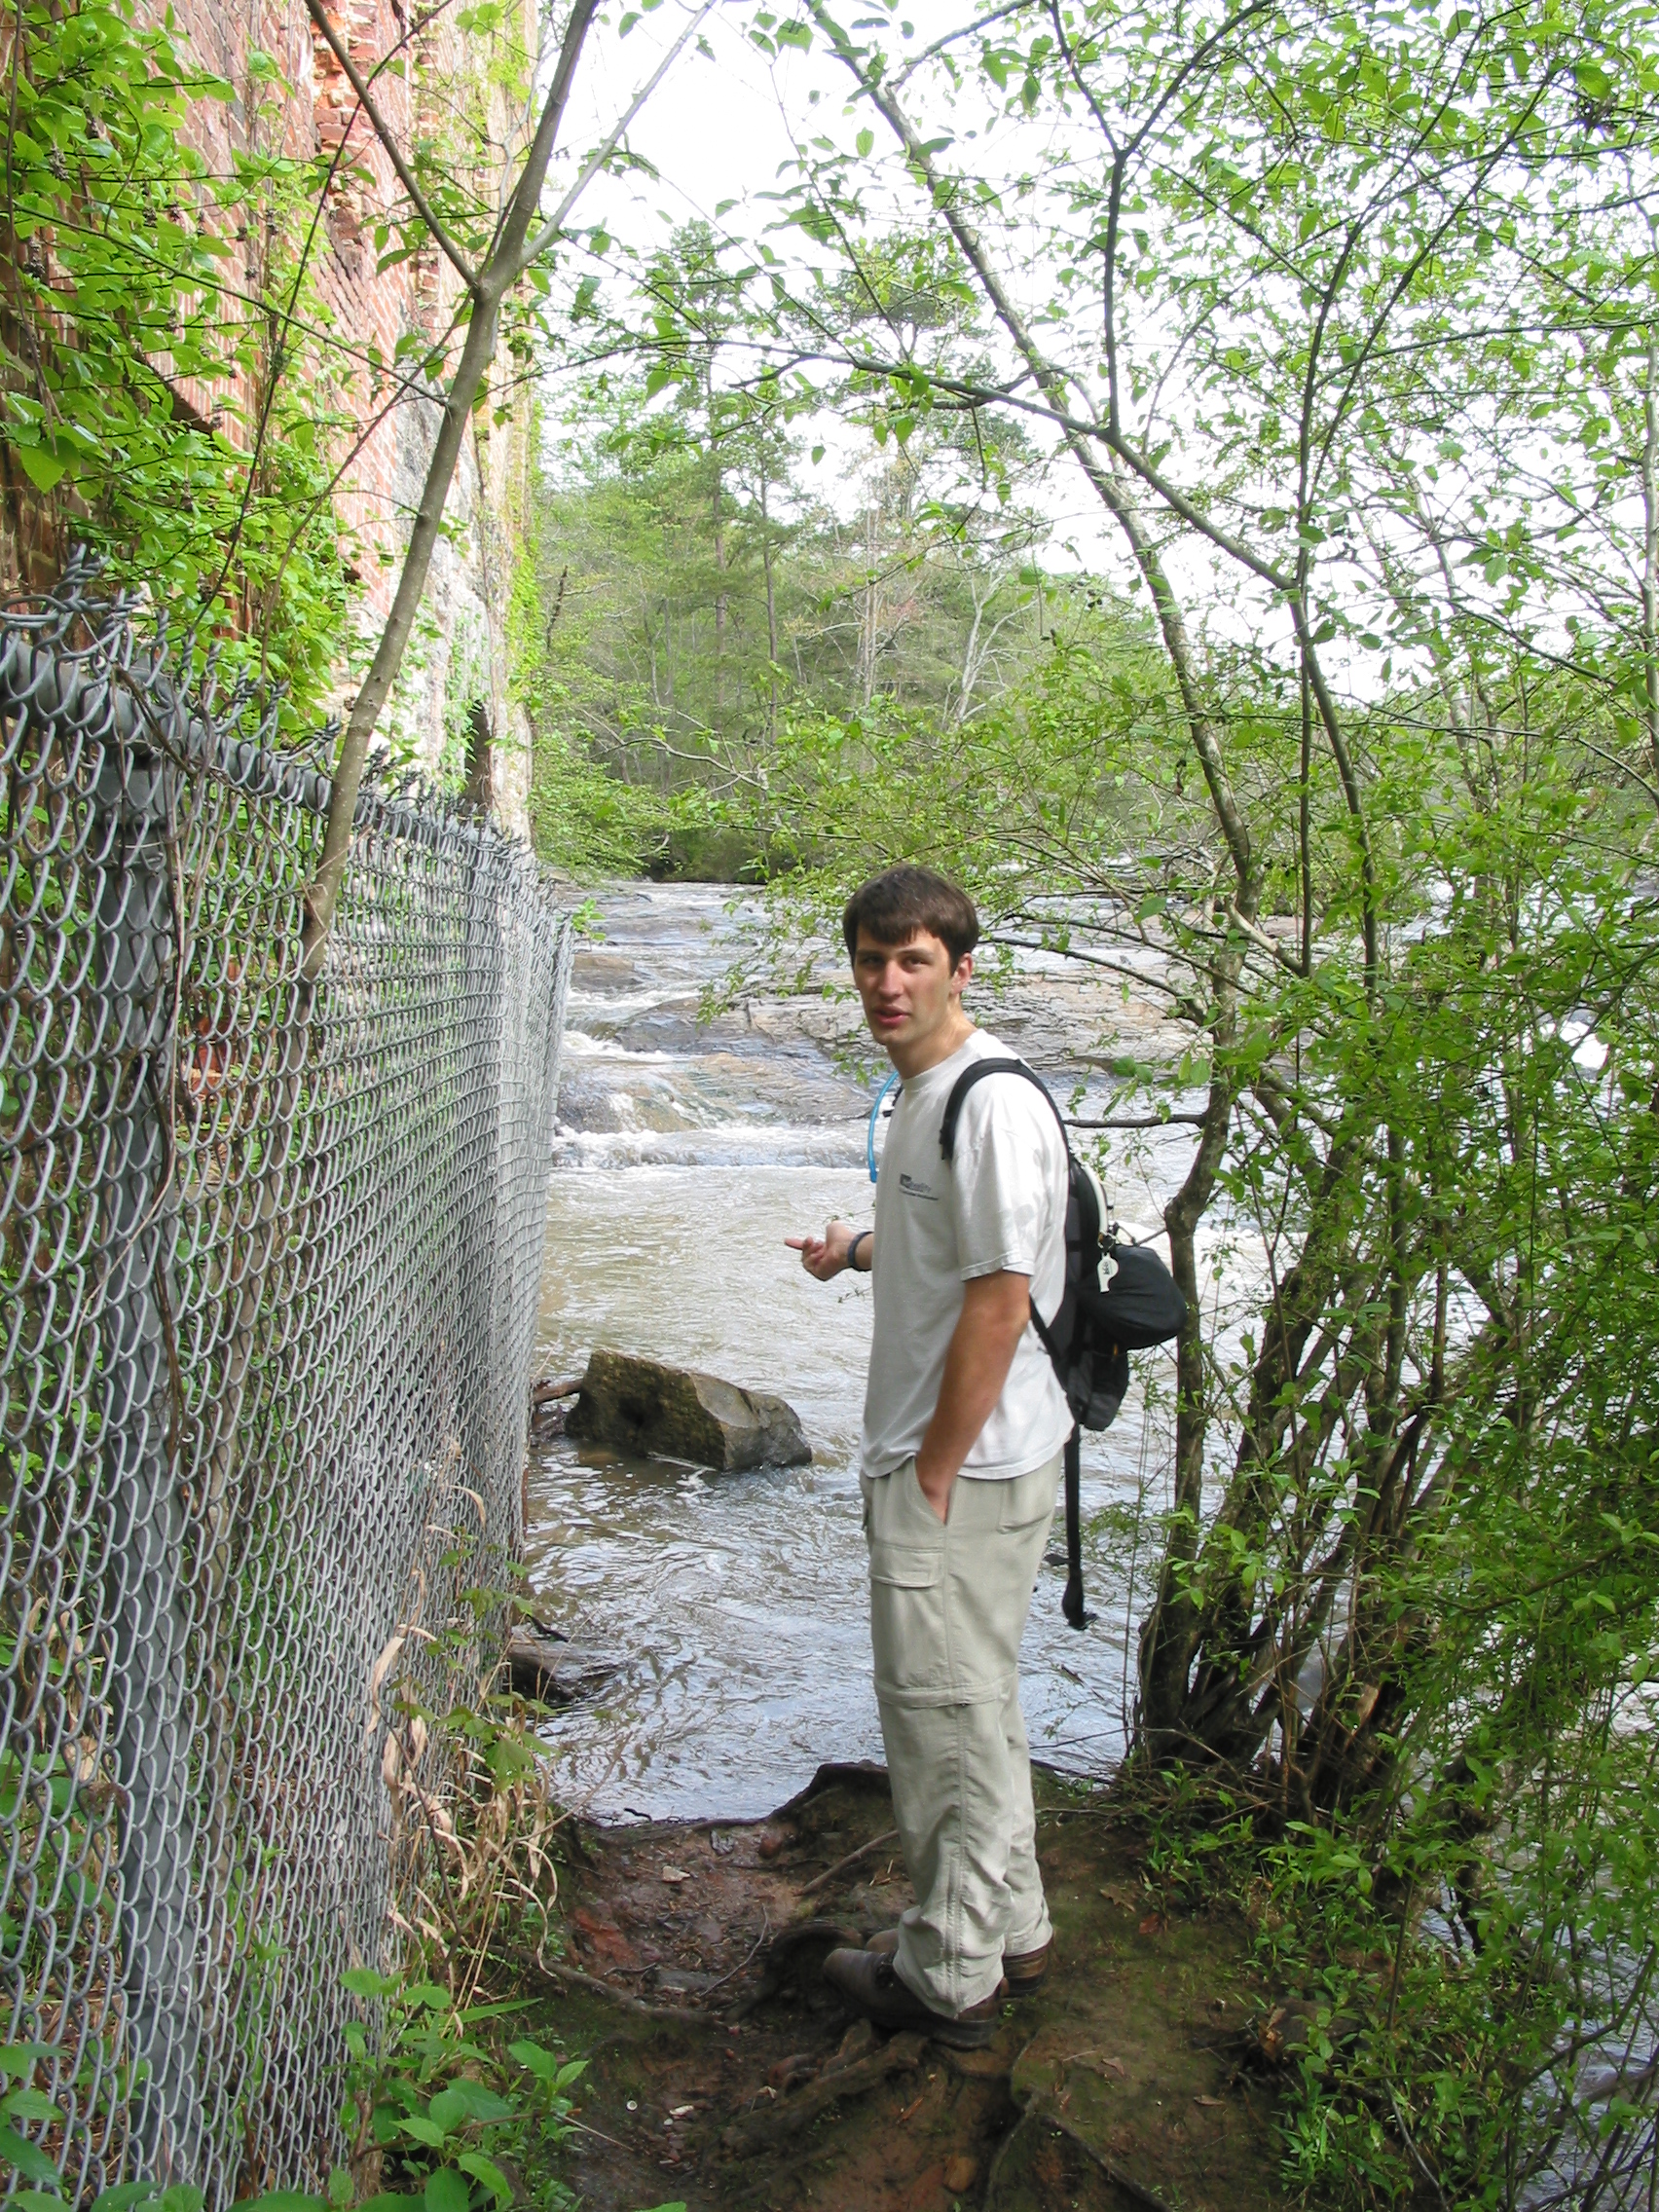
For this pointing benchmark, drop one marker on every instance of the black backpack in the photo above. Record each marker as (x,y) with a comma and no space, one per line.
(1118,1298)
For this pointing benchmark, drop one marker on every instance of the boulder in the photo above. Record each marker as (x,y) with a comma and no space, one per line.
(641,1406)
(545,1665)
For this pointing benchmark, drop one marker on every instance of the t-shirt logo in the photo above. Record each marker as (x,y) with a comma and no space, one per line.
(914,1188)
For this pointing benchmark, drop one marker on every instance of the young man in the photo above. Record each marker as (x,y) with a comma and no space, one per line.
(964,1429)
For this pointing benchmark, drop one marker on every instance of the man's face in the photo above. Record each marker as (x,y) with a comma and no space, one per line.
(911,993)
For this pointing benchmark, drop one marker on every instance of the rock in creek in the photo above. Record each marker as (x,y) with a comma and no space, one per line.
(641,1406)
(542,1664)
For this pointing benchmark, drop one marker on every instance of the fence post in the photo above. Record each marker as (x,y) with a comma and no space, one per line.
(151,1612)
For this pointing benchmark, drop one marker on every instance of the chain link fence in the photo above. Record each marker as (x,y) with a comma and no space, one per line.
(270,1261)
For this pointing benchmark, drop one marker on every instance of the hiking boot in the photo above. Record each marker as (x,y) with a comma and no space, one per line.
(1023,1971)
(868,1982)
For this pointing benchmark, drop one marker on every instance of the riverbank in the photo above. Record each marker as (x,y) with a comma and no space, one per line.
(724,2075)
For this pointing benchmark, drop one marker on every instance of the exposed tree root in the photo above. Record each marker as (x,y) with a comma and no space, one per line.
(770,2125)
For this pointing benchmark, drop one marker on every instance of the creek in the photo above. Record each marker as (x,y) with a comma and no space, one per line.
(688,1150)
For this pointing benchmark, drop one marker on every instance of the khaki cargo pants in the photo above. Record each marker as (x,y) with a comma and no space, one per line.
(947,1609)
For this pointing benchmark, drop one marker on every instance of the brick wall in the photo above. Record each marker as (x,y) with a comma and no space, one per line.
(460,663)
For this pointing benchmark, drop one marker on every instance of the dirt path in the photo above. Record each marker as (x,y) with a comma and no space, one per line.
(725,2073)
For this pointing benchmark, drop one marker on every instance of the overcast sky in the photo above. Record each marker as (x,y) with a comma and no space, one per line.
(725,130)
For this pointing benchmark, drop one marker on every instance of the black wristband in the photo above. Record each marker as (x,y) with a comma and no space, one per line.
(853,1247)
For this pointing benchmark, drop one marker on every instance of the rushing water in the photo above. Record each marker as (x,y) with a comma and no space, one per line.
(686,1154)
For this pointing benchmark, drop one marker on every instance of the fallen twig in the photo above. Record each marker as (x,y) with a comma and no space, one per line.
(765,1930)
(582,2129)
(573,1979)
(851,1859)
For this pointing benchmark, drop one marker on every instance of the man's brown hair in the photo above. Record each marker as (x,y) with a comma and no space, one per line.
(894,906)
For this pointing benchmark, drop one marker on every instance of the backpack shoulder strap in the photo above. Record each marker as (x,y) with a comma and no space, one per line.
(965,1083)
(959,1090)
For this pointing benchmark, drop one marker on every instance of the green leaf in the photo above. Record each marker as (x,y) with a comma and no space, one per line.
(424,2130)
(533,2060)
(123,2195)
(28,2158)
(363,1981)
(41,468)
(485,2170)
(866,142)
(285,2201)
(465,2100)
(509,1756)
(446,2192)
(29,2104)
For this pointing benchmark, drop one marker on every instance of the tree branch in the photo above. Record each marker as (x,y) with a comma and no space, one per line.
(452,253)
(549,233)
(1112,491)
(489,287)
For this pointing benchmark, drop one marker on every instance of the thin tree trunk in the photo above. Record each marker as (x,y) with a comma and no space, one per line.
(867,633)
(514,247)
(719,543)
(1650,549)
(771,606)
(970,670)
(490,288)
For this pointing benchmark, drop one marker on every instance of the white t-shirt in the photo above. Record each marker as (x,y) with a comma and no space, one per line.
(1001,1203)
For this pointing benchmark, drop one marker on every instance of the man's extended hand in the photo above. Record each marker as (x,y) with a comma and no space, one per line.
(827,1255)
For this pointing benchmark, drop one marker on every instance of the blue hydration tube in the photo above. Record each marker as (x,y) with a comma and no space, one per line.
(874,1115)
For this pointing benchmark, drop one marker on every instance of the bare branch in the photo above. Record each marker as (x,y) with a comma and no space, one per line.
(549,233)
(951,38)
(383,130)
